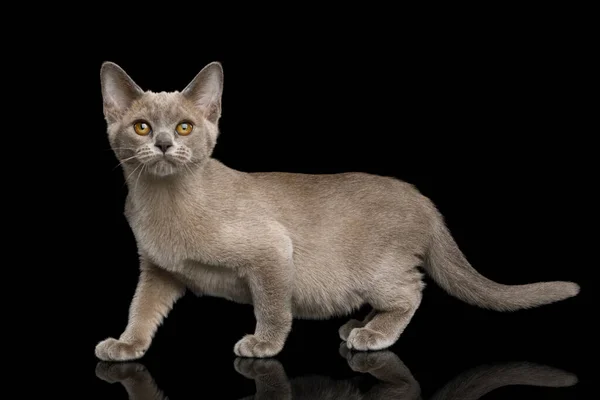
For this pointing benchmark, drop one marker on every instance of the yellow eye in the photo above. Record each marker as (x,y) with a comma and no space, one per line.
(141,128)
(184,128)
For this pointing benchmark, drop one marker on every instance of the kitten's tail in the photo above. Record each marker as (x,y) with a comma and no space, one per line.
(448,266)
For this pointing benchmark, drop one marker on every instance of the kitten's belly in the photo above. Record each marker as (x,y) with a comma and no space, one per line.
(317,302)
(310,300)
(325,286)
(208,280)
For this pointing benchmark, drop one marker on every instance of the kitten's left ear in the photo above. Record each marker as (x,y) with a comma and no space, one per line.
(206,90)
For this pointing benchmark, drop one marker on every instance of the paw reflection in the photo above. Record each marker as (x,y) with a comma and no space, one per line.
(134,377)
(394,379)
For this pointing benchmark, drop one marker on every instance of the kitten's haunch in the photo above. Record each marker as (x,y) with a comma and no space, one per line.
(292,245)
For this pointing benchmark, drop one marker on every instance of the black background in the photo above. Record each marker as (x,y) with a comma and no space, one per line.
(485,120)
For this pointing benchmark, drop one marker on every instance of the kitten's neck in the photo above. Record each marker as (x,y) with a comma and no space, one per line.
(195,182)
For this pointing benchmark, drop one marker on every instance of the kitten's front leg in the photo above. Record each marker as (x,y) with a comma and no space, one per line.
(271,287)
(154,297)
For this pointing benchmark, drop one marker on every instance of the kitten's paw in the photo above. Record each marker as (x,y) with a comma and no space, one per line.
(252,368)
(345,329)
(365,339)
(116,350)
(250,346)
(112,372)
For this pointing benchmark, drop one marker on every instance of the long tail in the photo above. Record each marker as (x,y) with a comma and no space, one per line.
(448,266)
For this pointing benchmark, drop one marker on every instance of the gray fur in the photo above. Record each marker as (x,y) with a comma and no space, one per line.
(293,245)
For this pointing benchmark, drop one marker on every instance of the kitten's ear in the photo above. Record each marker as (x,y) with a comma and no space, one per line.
(206,89)
(118,90)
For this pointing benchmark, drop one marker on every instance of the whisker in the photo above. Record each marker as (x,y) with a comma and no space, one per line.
(124,161)
(128,176)
(140,174)
(144,159)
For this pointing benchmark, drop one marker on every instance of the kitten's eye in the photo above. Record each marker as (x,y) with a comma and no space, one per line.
(184,128)
(141,128)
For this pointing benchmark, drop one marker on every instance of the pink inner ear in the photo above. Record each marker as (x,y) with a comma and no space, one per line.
(207,99)
(213,112)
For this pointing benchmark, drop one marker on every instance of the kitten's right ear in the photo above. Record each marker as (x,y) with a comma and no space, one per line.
(118,90)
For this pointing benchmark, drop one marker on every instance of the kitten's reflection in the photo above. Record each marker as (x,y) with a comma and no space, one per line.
(134,377)
(395,381)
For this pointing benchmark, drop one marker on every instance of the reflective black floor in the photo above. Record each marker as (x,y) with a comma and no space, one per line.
(375,375)
(469,355)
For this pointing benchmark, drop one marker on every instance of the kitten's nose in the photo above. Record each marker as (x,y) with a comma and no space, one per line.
(163,144)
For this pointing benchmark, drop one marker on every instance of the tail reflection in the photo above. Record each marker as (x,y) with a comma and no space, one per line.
(395,381)
(475,383)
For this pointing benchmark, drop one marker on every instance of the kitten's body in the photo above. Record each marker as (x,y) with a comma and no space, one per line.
(318,219)
(293,245)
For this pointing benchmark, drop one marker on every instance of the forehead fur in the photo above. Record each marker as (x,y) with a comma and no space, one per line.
(164,107)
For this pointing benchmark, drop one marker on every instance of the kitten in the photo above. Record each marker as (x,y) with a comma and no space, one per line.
(293,245)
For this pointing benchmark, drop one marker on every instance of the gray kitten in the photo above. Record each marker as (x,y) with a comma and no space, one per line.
(293,245)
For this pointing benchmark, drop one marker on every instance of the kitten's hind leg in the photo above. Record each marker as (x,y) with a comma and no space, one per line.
(345,329)
(271,288)
(394,306)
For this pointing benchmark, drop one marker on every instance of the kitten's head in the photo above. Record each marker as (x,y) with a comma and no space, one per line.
(162,134)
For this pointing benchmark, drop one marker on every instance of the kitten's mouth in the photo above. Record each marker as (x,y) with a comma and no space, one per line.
(166,158)
(163,159)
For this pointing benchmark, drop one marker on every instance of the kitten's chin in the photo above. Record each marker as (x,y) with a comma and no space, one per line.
(162,168)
